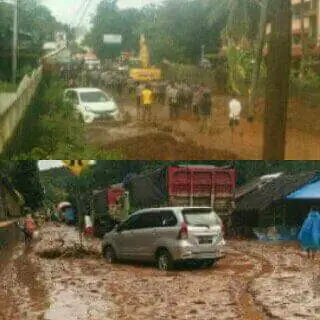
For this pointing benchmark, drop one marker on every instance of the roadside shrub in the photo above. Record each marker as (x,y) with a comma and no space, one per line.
(307,90)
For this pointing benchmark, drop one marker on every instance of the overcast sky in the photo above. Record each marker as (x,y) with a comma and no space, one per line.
(67,10)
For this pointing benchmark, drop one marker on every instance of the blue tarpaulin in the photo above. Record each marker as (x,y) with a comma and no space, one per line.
(309,235)
(309,191)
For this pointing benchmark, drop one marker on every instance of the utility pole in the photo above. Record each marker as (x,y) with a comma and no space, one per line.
(15,42)
(278,80)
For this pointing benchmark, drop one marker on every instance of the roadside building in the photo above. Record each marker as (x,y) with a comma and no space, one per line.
(275,206)
(311,27)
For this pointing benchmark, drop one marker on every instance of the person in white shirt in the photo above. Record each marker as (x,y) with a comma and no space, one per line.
(235,109)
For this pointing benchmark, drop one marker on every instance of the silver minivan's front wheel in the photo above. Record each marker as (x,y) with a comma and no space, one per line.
(109,255)
(164,261)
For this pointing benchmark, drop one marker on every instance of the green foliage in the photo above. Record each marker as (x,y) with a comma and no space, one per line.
(191,73)
(174,30)
(25,178)
(36,25)
(7,87)
(55,134)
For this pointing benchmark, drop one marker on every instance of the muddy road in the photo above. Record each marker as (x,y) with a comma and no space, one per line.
(254,281)
(163,139)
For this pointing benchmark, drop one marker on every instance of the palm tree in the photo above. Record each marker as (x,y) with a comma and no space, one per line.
(241,17)
(258,57)
(277,90)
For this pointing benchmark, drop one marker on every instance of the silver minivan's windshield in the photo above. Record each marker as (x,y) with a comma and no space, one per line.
(200,217)
(93,97)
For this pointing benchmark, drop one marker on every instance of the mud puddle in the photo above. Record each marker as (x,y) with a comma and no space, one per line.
(24,294)
(76,253)
(77,298)
(249,307)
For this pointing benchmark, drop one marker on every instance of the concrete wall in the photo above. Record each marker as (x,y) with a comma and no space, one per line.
(12,109)
(10,236)
(14,105)
(9,205)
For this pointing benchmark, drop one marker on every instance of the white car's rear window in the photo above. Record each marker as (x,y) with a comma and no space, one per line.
(200,217)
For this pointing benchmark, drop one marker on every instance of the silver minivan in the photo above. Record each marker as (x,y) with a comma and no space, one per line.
(167,235)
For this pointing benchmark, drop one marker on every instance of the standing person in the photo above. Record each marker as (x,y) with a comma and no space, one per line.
(205,108)
(139,89)
(72,83)
(172,98)
(197,100)
(29,228)
(309,235)
(147,102)
(235,109)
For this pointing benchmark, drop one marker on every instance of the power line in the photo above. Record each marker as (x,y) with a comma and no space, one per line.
(78,11)
(84,12)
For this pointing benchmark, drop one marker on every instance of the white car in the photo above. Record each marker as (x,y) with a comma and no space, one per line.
(92,103)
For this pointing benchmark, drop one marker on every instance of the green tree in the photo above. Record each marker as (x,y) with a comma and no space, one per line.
(258,57)
(26,179)
(174,30)
(36,25)
(239,34)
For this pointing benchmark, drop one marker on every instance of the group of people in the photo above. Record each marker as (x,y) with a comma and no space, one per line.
(177,95)
(181,96)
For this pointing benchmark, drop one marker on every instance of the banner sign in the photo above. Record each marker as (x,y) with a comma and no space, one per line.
(112,39)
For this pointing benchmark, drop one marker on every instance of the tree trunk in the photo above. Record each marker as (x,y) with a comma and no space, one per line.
(258,57)
(303,43)
(277,90)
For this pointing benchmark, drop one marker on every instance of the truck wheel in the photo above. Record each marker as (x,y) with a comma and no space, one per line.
(164,260)
(109,255)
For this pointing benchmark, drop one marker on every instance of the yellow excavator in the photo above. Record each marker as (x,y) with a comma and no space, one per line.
(145,73)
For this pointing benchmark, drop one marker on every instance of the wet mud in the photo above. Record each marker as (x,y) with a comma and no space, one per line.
(253,281)
(187,139)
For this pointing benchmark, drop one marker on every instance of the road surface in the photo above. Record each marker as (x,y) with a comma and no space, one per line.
(254,281)
(162,139)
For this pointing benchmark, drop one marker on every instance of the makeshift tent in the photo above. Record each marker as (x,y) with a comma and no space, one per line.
(274,207)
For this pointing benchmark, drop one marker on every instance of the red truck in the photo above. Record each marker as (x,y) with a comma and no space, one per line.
(183,185)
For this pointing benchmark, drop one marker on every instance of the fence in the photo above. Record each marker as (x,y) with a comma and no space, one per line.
(14,105)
